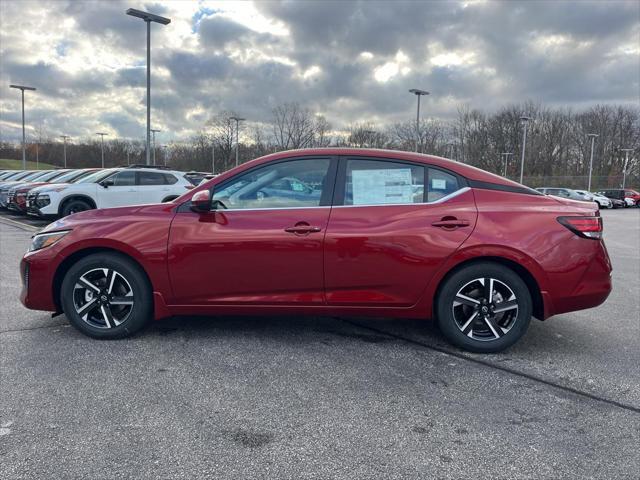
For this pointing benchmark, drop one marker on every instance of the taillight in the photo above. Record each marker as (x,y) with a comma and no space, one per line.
(587,227)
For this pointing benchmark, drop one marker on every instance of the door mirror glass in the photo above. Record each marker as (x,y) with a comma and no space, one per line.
(201,201)
(107,183)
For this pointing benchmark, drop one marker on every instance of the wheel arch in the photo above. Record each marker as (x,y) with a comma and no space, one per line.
(529,279)
(77,196)
(71,259)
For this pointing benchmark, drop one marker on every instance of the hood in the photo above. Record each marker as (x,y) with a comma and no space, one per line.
(28,186)
(118,214)
(50,186)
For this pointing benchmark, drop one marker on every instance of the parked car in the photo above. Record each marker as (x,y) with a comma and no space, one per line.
(196,177)
(10,173)
(17,175)
(478,253)
(13,197)
(627,195)
(564,193)
(602,201)
(7,185)
(72,176)
(114,187)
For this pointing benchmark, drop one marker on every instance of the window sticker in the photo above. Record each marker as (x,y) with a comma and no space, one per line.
(374,187)
(438,184)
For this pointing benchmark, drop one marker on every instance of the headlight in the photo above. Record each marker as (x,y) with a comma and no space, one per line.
(42,240)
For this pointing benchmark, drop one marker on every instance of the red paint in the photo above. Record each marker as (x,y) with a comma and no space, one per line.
(375,261)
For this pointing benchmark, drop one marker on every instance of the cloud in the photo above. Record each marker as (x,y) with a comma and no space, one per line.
(350,60)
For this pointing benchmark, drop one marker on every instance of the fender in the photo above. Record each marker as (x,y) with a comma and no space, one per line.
(478,252)
(153,265)
(81,196)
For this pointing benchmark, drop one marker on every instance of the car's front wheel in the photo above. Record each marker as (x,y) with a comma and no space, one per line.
(484,307)
(75,206)
(106,296)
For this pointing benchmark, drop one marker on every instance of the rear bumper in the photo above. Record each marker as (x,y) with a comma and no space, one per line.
(591,290)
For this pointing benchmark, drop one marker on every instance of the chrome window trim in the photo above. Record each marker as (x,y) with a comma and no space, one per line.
(225,210)
(440,200)
(266,209)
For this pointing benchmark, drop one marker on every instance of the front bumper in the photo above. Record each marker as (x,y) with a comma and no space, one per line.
(37,281)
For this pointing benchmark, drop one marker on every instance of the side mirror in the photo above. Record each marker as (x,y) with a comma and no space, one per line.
(201,202)
(107,183)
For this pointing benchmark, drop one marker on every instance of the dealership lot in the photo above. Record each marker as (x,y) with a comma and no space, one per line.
(321,397)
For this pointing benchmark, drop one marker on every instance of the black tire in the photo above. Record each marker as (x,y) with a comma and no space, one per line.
(75,206)
(125,319)
(490,336)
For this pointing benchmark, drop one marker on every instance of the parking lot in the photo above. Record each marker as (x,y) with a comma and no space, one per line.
(321,397)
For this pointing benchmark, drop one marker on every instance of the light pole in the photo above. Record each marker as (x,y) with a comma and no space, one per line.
(418,93)
(213,157)
(64,140)
(238,120)
(154,130)
(593,137)
(626,163)
(506,156)
(22,88)
(148,18)
(102,134)
(525,120)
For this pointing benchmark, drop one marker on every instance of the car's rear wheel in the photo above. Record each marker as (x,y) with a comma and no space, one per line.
(484,307)
(106,296)
(75,206)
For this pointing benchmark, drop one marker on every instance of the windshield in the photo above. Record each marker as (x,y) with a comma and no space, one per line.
(8,175)
(31,176)
(96,177)
(22,175)
(51,175)
(72,175)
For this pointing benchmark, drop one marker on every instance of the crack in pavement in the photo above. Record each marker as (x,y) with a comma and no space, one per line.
(486,363)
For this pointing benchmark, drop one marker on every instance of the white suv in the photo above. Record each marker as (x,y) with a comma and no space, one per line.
(114,187)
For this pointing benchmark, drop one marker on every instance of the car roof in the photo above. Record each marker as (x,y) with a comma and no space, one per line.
(467,171)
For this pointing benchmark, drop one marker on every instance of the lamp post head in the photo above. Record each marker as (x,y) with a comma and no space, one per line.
(417,91)
(592,135)
(21,87)
(237,119)
(148,17)
(525,119)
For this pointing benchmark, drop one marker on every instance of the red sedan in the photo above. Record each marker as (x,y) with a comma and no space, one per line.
(330,232)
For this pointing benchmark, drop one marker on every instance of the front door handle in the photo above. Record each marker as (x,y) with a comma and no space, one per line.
(302,229)
(451,223)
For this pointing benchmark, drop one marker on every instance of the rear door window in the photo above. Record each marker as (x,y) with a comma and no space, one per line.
(150,178)
(382,182)
(441,184)
(124,179)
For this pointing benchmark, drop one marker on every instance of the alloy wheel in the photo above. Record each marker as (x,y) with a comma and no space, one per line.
(103,298)
(485,309)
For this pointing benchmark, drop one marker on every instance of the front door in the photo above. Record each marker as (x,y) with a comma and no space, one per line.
(262,245)
(394,223)
(121,190)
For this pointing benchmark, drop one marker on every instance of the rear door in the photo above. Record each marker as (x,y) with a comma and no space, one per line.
(122,192)
(152,187)
(392,225)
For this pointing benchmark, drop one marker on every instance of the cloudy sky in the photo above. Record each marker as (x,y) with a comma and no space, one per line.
(350,61)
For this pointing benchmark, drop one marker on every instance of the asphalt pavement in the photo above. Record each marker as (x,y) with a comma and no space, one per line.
(289,397)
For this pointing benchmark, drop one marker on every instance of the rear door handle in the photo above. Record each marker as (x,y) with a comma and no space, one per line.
(451,223)
(302,229)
